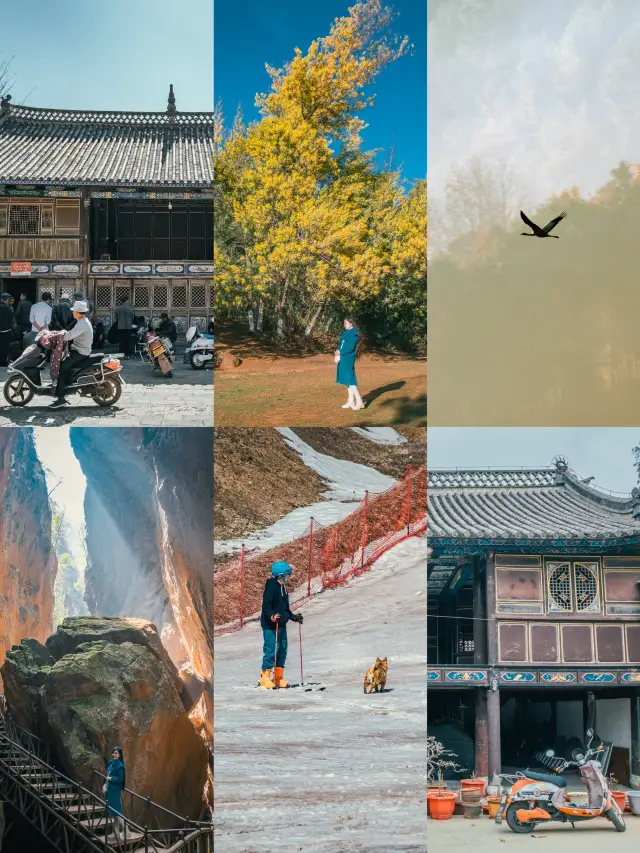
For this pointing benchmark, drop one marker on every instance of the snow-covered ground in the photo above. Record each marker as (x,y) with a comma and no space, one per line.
(333,771)
(381,435)
(346,484)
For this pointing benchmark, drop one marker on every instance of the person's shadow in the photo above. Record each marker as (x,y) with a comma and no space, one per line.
(370,396)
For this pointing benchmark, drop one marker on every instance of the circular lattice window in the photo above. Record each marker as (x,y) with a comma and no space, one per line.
(586,578)
(559,586)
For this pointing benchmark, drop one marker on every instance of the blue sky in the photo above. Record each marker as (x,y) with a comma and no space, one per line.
(250,34)
(118,55)
(600,452)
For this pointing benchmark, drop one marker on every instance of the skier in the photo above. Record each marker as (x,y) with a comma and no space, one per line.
(275,615)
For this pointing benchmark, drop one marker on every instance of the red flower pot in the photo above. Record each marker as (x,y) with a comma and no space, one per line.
(441,804)
(621,799)
(472,785)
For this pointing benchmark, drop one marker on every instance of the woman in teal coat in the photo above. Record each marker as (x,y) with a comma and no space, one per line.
(114,786)
(345,357)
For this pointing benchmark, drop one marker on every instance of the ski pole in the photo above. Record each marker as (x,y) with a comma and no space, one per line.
(275,654)
(300,637)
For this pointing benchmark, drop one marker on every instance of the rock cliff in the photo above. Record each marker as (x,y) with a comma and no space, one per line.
(27,559)
(101,682)
(149,520)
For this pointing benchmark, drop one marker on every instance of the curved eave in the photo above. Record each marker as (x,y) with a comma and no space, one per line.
(479,546)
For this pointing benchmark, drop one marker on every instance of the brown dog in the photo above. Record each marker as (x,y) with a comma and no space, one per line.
(375,678)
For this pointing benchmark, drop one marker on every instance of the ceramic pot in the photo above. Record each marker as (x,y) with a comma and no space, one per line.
(441,804)
(472,785)
(621,798)
(493,804)
(472,812)
(634,801)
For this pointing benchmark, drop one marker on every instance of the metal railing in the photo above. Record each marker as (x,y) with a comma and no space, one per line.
(75,819)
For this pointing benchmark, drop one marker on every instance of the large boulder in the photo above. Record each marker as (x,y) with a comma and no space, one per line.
(23,674)
(110,682)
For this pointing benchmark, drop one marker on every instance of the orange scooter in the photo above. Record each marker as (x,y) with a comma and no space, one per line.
(540,798)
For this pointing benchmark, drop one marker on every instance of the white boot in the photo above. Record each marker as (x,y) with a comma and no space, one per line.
(350,401)
(355,396)
(120,826)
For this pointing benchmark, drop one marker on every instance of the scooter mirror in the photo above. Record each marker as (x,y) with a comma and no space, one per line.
(549,753)
(590,733)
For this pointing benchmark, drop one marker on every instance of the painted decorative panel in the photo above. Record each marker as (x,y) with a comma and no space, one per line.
(633,643)
(518,560)
(558,677)
(519,584)
(434,675)
(530,607)
(598,677)
(577,643)
(465,675)
(622,585)
(630,677)
(512,641)
(544,643)
(518,677)
(610,644)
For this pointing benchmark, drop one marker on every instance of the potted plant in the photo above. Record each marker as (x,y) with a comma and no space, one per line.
(440,801)
(472,784)
(619,796)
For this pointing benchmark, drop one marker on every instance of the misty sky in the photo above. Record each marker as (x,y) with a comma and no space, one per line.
(551,87)
(599,452)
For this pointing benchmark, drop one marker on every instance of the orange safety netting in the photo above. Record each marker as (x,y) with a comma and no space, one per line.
(322,557)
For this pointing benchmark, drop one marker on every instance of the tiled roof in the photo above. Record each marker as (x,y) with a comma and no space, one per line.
(538,504)
(62,147)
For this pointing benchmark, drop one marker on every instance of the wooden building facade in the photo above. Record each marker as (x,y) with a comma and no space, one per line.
(109,203)
(534,611)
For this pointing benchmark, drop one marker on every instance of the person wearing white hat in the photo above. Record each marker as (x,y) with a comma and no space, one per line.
(81,337)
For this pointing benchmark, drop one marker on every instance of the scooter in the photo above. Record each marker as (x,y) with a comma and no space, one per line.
(99,379)
(199,351)
(541,798)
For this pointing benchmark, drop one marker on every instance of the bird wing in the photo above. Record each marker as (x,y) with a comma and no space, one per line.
(548,228)
(535,228)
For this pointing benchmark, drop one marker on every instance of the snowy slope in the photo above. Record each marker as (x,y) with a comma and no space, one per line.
(333,771)
(381,435)
(346,484)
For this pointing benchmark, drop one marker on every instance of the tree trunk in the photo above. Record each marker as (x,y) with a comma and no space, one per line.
(280,311)
(311,324)
(260,322)
(252,320)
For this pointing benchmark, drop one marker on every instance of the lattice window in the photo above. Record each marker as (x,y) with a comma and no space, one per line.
(24,219)
(466,644)
(122,290)
(141,296)
(586,586)
(103,296)
(559,587)
(66,291)
(179,296)
(211,296)
(160,296)
(198,295)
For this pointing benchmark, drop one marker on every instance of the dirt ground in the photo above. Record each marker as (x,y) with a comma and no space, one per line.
(464,836)
(297,387)
(331,771)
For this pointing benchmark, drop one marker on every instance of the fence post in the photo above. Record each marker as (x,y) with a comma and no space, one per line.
(242,586)
(310,558)
(365,532)
(409,498)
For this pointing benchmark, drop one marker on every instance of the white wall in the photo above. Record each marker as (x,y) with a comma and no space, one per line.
(613,721)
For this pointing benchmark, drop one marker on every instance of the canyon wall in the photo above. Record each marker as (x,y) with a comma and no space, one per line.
(149,521)
(27,562)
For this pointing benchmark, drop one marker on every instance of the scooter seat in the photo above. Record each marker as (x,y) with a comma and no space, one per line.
(560,781)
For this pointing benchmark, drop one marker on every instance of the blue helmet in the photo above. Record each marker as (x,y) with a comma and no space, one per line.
(281,569)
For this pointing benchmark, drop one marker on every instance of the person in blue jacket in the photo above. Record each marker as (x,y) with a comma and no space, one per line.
(115,785)
(276,611)
(345,356)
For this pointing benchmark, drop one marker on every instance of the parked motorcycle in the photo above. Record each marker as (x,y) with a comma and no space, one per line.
(541,798)
(99,379)
(160,353)
(199,351)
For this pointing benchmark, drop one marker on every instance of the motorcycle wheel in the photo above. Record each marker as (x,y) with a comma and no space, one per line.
(165,366)
(17,392)
(197,361)
(108,393)
(516,825)
(617,820)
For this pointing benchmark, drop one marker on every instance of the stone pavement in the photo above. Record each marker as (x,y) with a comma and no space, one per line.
(148,399)
(459,835)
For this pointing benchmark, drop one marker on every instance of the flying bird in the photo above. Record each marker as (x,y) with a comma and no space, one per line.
(541,232)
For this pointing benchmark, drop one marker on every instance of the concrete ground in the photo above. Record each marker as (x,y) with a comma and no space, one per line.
(459,835)
(333,771)
(148,399)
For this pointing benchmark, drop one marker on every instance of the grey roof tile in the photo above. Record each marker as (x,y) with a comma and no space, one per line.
(40,146)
